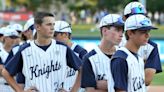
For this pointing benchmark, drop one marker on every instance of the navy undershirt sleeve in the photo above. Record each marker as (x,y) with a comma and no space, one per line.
(88,77)
(119,69)
(15,64)
(72,60)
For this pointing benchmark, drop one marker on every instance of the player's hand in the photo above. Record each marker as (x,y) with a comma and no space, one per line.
(62,90)
(102,84)
(32,89)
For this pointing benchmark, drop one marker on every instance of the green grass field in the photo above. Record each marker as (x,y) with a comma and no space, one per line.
(159,78)
(90,31)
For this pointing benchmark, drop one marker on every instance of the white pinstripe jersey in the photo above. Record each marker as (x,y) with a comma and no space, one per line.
(44,63)
(101,68)
(145,51)
(136,76)
(3,87)
(46,70)
(71,73)
(3,54)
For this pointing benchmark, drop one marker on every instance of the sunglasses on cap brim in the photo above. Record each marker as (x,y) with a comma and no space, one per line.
(65,27)
(19,31)
(1,35)
(138,10)
(31,27)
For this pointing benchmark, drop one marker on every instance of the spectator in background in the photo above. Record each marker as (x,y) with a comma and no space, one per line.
(83,16)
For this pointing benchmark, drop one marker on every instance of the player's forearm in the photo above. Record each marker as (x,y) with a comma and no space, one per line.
(120,91)
(76,86)
(1,67)
(102,84)
(11,80)
(91,89)
(149,74)
(21,85)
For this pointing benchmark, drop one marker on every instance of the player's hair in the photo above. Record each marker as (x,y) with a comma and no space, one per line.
(126,34)
(23,37)
(38,17)
(107,26)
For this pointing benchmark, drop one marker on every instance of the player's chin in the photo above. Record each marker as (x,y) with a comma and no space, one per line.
(117,43)
(50,35)
(144,43)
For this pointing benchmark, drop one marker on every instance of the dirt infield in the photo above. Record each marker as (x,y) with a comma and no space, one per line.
(156,89)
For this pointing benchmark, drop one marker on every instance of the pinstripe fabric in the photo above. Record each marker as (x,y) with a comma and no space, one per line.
(101,68)
(136,74)
(3,87)
(39,64)
(71,74)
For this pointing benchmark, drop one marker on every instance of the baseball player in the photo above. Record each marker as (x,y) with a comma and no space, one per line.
(19,29)
(63,33)
(10,36)
(96,65)
(149,51)
(43,62)
(29,31)
(27,34)
(126,65)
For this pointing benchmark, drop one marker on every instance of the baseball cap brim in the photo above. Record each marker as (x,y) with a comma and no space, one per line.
(120,24)
(117,24)
(147,28)
(13,37)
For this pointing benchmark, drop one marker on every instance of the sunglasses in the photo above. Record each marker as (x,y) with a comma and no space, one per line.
(1,35)
(31,27)
(19,31)
(138,10)
(65,27)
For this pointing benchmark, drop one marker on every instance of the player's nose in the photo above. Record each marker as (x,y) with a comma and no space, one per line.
(52,27)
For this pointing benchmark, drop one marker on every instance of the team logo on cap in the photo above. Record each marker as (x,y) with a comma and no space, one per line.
(145,22)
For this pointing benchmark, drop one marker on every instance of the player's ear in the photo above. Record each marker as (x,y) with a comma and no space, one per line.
(104,29)
(37,26)
(130,33)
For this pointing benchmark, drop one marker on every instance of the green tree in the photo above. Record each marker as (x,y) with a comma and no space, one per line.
(112,5)
(33,5)
(155,5)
